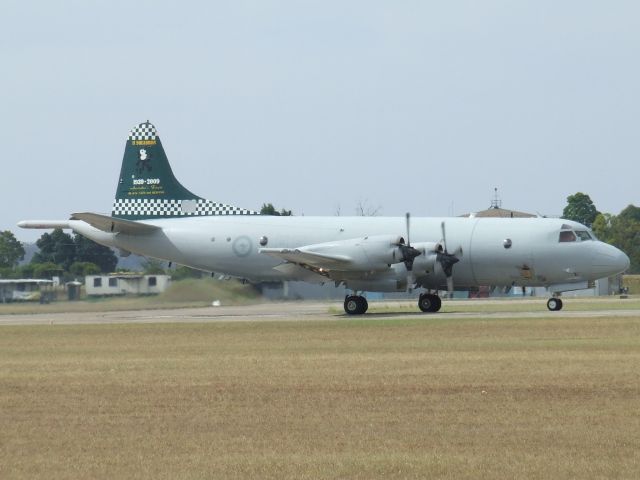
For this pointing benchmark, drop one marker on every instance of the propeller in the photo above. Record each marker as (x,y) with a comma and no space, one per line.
(447,260)
(409,253)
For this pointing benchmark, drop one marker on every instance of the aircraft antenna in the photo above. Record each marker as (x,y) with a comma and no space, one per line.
(497,201)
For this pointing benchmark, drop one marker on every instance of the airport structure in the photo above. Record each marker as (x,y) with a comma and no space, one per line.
(12,290)
(126,284)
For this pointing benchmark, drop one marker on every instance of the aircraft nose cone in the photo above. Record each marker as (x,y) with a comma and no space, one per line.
(623,261)
(608,260)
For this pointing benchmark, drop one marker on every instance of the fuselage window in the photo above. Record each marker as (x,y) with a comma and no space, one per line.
(567,236)
(583,235)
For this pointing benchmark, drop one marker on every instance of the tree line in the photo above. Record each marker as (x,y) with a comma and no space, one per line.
(59,254)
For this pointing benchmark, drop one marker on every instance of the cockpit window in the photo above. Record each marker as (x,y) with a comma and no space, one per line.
(567,236)
(583,235)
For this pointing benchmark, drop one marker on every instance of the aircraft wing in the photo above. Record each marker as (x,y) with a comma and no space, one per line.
(114,225)
(337,258)
(312,259)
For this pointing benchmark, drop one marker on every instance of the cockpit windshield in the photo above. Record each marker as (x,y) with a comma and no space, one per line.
(583,235)
(567,234)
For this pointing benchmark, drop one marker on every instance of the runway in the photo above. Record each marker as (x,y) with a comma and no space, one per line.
(315,311)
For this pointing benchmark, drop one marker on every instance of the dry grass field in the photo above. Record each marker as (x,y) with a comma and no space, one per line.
(362,398)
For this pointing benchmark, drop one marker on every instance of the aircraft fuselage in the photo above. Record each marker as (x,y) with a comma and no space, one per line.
(494,251)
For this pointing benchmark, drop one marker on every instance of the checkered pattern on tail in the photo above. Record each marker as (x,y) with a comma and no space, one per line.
(143,131)
(173,208)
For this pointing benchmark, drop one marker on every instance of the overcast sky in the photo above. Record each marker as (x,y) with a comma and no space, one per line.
(318,106)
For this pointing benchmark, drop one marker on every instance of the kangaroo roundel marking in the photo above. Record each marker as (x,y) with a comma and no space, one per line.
(242,246)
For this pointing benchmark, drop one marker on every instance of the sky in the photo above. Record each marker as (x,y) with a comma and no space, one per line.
(323,106)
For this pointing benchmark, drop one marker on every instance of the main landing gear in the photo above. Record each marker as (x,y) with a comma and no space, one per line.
(554,304)
(429,303)
(357,305)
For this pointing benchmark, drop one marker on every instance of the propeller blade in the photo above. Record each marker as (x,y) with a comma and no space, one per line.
(408,252)
(450,286)
(448,260)
(408,255)
(444,237)
(410,281)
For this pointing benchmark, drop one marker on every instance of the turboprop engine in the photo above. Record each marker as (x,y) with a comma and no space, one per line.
(372,253)
(425,263)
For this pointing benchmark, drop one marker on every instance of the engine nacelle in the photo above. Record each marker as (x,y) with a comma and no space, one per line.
(426,262)
(371,253)
(428,247)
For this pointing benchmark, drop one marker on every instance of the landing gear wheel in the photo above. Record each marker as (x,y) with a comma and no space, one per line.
(364,305)
(554,304)
(355,305)
(429,303)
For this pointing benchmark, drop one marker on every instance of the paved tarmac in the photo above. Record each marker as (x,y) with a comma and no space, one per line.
(301,311)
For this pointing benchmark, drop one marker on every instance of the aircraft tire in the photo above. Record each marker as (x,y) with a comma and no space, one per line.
(355,305)
(554,304)
(429,303)
(365,304)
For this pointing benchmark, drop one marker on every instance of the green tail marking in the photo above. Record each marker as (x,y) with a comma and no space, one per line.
(148,189)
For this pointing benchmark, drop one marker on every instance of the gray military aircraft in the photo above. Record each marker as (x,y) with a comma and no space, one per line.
(155,216)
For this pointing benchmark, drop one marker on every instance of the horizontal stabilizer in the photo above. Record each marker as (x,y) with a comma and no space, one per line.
(44,224)
(114,225)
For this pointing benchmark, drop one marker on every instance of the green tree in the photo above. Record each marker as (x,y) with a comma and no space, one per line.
(47,270)
(92,252)
(269,209)
(6,272)
(64,250)
(631,212)
(82,269)
(56,247)
(581,209)
(622,231)
(11,250)
(25,271)
(153,266)
(602,227)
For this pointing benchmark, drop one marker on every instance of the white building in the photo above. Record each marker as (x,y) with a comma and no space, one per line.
(21,289)
(126,284)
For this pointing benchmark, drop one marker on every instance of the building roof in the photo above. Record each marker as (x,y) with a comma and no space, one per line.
(9,281)
(497,212)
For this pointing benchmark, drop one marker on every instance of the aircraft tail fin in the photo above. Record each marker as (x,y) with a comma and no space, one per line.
(148,189)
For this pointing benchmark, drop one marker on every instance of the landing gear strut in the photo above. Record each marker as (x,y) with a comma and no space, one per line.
(554,304)
(430,303)
(355,305)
